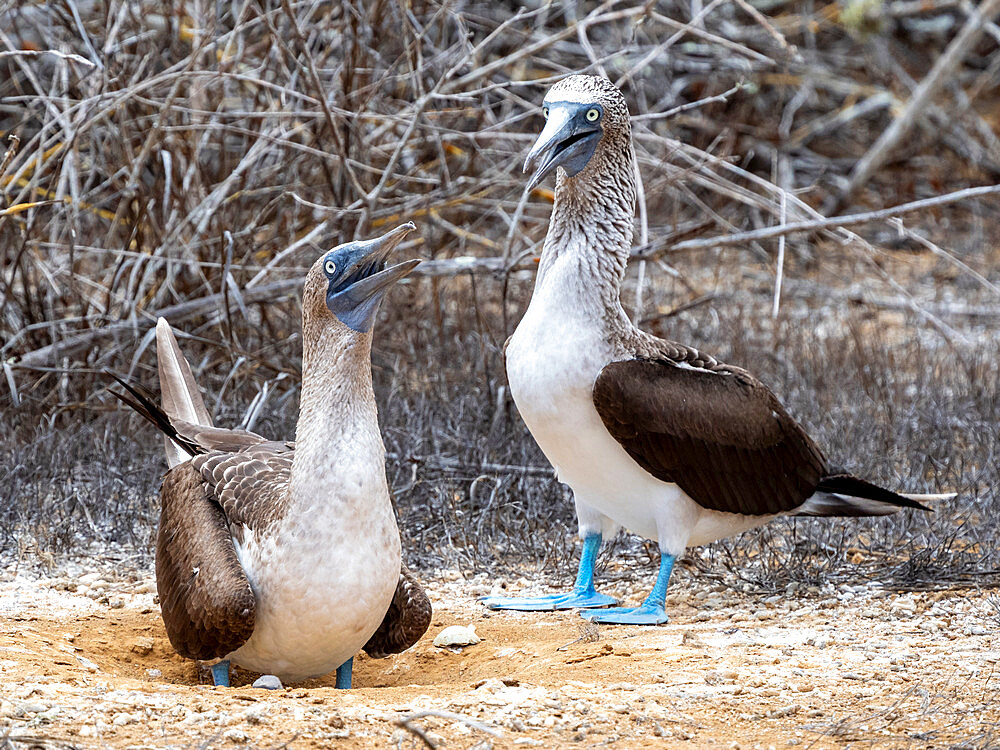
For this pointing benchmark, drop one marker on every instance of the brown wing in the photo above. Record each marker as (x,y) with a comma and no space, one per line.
(408,618)
(722,437)
(207,605)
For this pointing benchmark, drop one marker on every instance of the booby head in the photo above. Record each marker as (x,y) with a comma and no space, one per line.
(353,278)
(586,121)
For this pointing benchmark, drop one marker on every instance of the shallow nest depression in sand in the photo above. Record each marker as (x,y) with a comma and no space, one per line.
(85,663)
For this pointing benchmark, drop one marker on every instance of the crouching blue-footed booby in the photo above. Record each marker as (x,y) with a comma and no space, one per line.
(649,434)
(282,557)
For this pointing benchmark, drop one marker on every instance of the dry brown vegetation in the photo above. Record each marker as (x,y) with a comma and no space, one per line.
(189,160)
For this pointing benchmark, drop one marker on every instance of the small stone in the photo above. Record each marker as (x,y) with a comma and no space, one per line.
(141,646)
(780,713)
(121,719)
(87,663)
(235,735)
(154,673)
(255,715)
(457,635)
(267,682)
(48,716)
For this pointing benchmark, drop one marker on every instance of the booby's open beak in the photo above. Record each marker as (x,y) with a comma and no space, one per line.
(365,280)
(568,140)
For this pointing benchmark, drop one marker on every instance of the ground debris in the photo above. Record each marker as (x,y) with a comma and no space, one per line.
(760,685)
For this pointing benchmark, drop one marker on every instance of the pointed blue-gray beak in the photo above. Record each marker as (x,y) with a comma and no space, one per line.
(568,140)
(364,280)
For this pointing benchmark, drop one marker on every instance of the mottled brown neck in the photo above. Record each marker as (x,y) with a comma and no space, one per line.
(592,222)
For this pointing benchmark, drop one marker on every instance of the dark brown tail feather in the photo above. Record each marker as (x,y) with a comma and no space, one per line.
(846,484)
(143,402)
(842,494)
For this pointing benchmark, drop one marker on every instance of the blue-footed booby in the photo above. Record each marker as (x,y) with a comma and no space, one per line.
(282,557)
(649,434)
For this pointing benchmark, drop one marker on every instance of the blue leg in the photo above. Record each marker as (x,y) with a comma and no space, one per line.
(583,593)
(344,674)
(650,612)
(220,674)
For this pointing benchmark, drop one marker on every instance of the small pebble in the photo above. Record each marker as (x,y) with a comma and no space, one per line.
(457,635)
(255,715)
(87,663)
(267,682)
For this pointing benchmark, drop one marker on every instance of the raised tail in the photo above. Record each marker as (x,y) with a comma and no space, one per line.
(144,403)
(181,410)
(179,394)
(842,494)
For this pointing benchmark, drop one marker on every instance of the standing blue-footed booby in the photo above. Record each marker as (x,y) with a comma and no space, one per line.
(649,434)
(285,557)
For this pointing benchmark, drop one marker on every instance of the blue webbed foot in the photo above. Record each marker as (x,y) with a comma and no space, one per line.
(220,674)
(646,614)
(583,595)
(572,600)
(650,612)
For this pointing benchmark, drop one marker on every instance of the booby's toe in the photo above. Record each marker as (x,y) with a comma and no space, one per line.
(572,600)
(643,615)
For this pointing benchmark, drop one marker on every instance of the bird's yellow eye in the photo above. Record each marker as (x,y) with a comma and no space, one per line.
(545,112)
(592,115)
(330,267)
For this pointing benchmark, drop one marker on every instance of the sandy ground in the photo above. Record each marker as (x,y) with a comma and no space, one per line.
(85,662)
